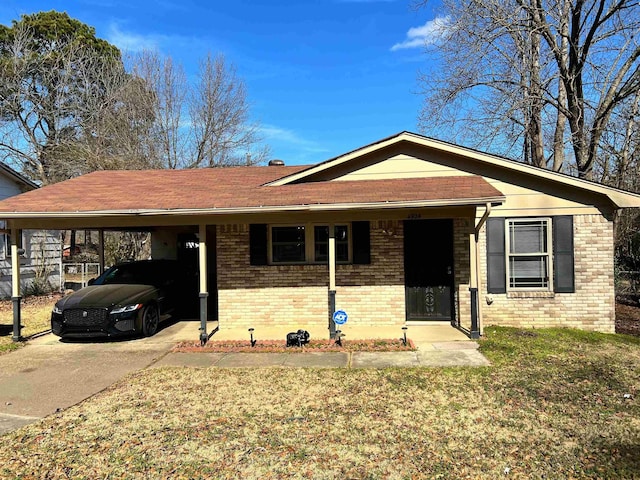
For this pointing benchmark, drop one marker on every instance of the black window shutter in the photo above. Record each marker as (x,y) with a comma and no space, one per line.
(563,271)
(496,262)
(258,244)
(361,243)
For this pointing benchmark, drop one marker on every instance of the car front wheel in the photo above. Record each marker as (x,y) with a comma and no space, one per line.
(150,320)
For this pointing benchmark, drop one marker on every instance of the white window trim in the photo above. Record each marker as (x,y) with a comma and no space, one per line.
(549,254)
(309,243)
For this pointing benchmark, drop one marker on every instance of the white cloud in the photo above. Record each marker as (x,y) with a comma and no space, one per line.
(428,34)
(135,42)
(278,134)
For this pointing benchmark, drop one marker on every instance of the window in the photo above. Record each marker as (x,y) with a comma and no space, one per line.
(280,244)
(5,246)
(528,251)
(308,244)
(288,244)
(321,243)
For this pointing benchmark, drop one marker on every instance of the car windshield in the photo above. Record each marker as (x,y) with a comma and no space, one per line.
(134,273)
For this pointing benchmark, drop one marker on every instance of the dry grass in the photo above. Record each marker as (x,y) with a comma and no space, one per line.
(36,318)
(552,406)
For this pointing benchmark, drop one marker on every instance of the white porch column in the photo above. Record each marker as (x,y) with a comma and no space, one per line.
(202,270)
(16,234)
(332,257)
(332,279)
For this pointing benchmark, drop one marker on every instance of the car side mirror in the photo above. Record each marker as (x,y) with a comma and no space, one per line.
(91,281)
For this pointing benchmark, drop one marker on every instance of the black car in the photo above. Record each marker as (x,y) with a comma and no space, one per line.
(127,299)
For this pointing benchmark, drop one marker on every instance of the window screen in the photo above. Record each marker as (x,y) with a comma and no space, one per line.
(529,253)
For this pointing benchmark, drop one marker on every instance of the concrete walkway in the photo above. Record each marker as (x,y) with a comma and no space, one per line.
(48,375)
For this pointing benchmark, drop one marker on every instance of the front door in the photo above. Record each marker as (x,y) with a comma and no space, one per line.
(428,269)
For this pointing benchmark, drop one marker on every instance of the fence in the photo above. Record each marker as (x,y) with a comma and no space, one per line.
(77,275)
(628,283)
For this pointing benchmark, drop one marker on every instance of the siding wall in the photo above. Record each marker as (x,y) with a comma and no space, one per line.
(42,257)
(42,251)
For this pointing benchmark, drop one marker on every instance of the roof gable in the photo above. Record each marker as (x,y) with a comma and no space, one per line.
(406,142)
(20,180)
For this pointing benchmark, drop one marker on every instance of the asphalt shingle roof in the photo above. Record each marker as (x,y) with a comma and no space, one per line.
(233,188)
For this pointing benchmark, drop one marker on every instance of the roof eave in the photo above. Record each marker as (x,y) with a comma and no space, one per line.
(319,207)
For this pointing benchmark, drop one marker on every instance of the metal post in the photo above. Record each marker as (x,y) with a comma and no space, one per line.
(16,319)
(475,329)
(332,310)
(101,250)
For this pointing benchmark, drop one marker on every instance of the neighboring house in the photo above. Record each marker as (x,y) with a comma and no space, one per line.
(407,229)
(41,258)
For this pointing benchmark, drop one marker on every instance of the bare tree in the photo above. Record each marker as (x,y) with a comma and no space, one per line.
(205,124)
(517,72)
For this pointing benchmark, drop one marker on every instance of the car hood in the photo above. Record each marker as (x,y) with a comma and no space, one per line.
(107,296)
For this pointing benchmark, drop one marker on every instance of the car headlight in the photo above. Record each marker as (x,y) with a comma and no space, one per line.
(126,308)
(57,310)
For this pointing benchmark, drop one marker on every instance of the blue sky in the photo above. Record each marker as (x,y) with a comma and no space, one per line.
(323,76)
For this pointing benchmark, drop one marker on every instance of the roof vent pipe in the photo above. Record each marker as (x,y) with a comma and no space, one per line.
(276,163)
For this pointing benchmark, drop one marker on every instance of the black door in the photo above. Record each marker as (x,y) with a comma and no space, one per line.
(428,269)
(188,256)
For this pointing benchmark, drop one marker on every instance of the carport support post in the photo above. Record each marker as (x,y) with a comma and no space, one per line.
(202,264)
(15,284)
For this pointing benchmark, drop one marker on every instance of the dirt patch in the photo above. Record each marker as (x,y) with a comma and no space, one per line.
(275,346)
(628,317)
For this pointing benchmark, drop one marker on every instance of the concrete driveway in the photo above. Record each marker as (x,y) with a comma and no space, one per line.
(49,375)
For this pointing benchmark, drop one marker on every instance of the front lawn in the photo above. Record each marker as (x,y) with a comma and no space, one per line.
(35,314)
(554,404)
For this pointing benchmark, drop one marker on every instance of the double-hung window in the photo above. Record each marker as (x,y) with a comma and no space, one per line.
(288,244)
(308,243)
(529,260)
(321,243)
(5,243)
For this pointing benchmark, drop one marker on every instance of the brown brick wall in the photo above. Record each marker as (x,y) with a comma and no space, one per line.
(249,295)
(462,297)
(591,307)
(374,294)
